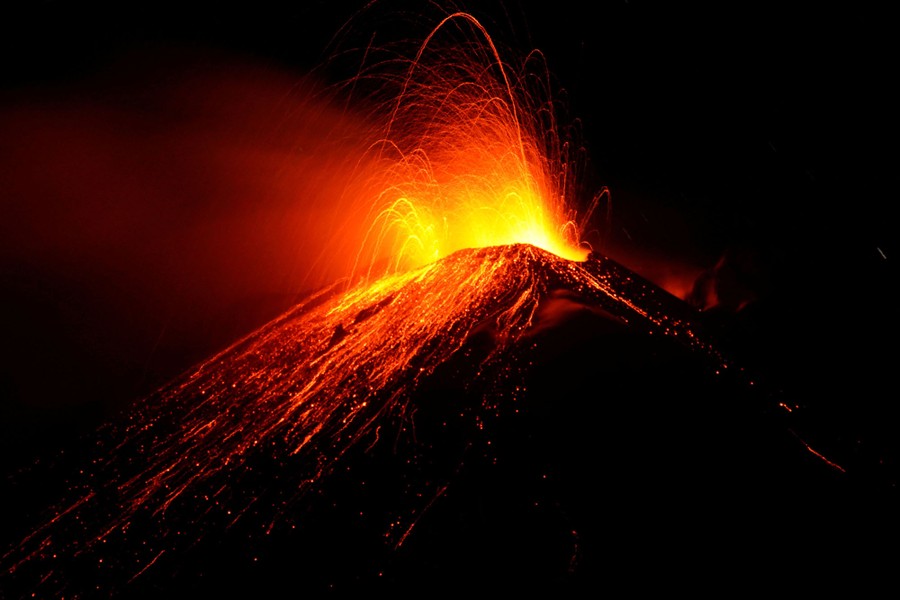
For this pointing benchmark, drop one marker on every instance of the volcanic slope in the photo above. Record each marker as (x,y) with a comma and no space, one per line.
(500,416)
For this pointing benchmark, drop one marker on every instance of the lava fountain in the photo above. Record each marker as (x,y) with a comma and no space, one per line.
(469,154)
(465,193)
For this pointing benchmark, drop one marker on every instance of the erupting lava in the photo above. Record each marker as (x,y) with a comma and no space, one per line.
(470,156)
(466,192)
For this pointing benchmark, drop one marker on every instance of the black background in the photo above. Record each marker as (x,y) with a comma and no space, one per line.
(763,127)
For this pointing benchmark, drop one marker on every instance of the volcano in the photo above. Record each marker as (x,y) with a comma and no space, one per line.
(371,326)
(501,418)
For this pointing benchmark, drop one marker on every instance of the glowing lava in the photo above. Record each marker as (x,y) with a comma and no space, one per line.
(301,392)
(470,156)
(463,195)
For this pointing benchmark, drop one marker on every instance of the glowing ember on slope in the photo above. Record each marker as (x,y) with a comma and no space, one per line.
(302,391)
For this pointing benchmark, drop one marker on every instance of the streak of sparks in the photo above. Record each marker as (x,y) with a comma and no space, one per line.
(830,463)
(819,455)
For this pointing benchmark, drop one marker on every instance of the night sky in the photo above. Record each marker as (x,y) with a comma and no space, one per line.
(763,133)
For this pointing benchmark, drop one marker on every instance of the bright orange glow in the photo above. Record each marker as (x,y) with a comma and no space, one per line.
(469,157)
(447,205)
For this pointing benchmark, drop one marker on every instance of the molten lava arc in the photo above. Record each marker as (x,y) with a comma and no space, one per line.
(469,156)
